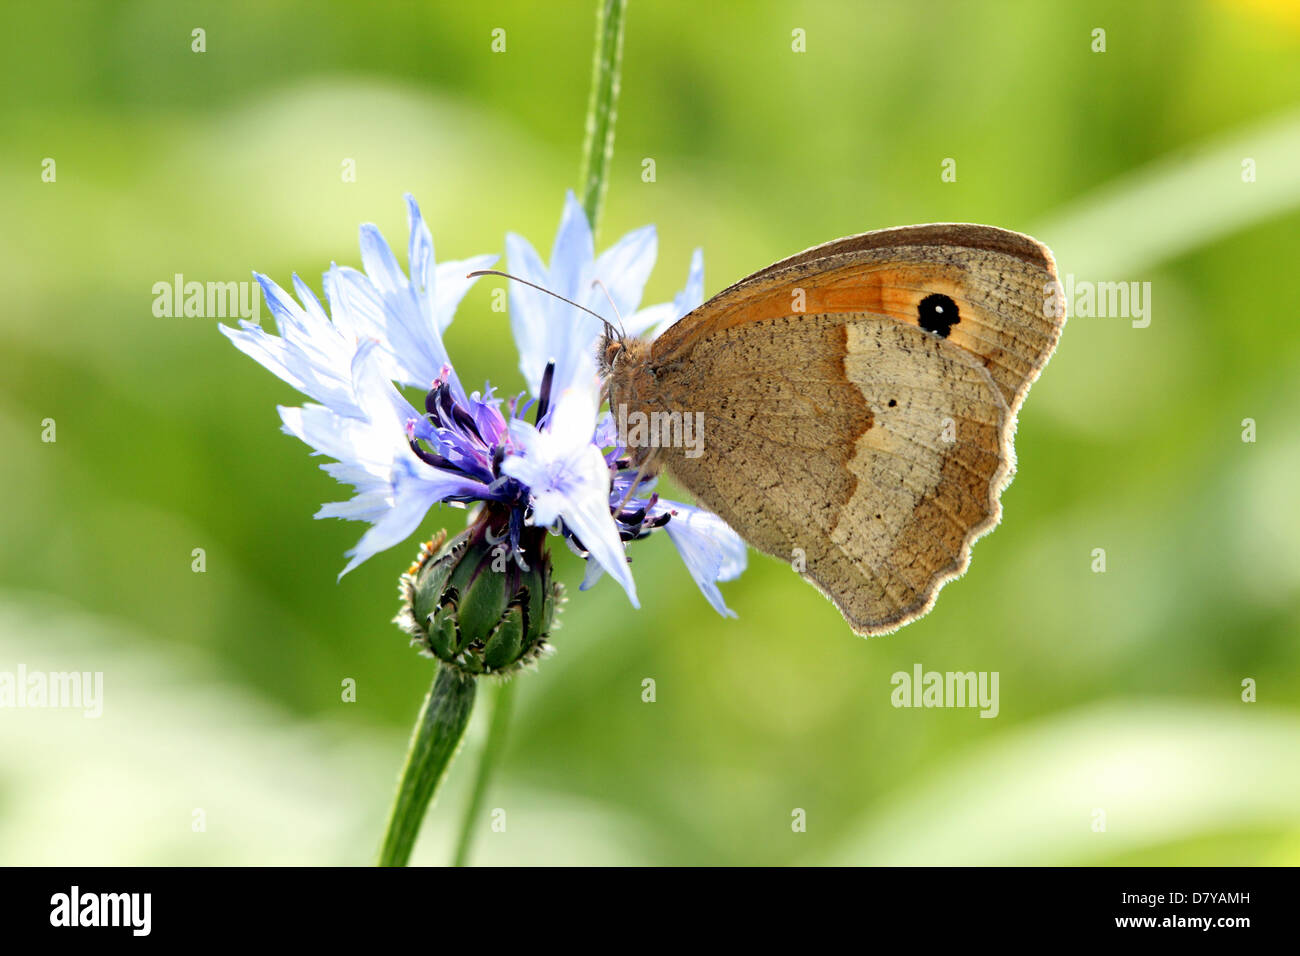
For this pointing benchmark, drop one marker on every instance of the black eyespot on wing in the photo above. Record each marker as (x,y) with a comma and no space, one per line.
(938,314)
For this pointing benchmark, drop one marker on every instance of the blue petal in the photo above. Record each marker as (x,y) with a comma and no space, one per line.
(310,303)
(420,249)
(588,517)
(711,551)
(594,572)
(416,354)
(411,504)
(314,373)
(530,310)
(693,295)
(452,283)
(573,250)
(651,317)
(624,269)
(380,263)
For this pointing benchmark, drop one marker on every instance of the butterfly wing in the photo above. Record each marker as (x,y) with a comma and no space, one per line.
(859,402)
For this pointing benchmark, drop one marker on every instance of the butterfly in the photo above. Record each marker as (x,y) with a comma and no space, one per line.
(857,403)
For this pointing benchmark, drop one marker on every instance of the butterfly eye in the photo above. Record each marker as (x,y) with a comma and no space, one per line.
(612,349)
(938,314)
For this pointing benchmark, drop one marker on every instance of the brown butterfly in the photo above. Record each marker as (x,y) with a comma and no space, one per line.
(858,402)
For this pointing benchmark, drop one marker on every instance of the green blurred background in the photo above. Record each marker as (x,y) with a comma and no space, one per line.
(1120,691)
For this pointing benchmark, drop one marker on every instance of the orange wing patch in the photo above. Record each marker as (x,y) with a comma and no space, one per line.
(1002,292)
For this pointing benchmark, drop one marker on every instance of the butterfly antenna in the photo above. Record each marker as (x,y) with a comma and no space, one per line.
(613,305)
(533,285)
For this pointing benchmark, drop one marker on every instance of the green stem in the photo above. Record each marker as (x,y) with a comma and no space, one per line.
(434,742)
(602,107)
(488,761)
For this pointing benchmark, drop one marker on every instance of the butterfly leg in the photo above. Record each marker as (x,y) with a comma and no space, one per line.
(650,461)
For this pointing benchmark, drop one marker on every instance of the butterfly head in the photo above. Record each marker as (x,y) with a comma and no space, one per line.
(625,368)
(612,347)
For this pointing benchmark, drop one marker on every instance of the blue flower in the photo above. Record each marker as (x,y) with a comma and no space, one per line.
(562,471)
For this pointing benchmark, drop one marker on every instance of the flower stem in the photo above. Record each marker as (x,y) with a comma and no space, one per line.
(435,740)
(488,761)
(602,107)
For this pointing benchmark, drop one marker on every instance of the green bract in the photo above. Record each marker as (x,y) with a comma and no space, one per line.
(470,605)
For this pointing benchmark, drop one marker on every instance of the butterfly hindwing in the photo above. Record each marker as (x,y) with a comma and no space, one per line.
(869,483)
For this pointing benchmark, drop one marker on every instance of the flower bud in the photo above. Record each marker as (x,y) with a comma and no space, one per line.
(476,604)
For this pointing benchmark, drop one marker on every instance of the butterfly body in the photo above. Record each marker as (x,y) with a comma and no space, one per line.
(857,403)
